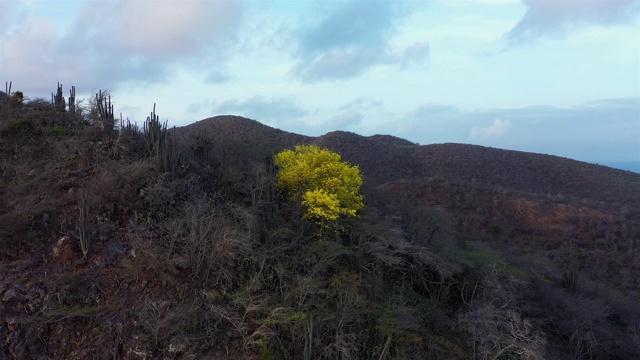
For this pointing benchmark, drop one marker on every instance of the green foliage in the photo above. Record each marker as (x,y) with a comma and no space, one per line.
(18,126)
(57,131)
(17,99)
(266,351)
(325,185)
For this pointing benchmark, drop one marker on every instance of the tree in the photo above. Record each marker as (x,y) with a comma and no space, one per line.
(320,181)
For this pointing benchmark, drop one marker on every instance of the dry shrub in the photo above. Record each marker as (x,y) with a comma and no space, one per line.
(116,187)
(497,332)
(385,251)
(581,320)
(212,243)
(495,320)
(248,315)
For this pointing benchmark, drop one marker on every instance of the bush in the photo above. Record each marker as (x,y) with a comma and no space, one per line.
(57,131)
(18,126)
(325,185)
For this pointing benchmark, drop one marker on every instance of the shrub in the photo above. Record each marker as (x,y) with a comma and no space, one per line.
(57,131)
(18,126)
(325,185)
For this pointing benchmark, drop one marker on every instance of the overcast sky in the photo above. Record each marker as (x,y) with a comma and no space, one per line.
(559,77)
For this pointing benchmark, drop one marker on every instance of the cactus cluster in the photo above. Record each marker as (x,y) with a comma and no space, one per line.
(58,100)
(160,144)
(105,110)
(129,129)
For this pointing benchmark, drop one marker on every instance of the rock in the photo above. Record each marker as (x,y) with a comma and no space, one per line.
(63,251)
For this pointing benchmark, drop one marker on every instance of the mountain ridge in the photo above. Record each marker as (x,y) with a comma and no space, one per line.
(384,158)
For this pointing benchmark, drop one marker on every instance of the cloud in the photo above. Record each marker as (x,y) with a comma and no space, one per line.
(159,30)
(261,109)
(353,37)
(554,18)
(197,107)
(343,121)
(612,124)
(11,14)
(217,77)
(362,103)
(496,129)
(417,53)
(118,41)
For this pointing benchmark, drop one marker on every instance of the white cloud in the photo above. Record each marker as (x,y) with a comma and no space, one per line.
(351,38)
(554,18)
(162,29)
(111,42)
(498,128)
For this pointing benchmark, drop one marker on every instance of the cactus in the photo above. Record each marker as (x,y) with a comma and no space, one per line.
(159,144)
(72,101)
(570,280)
(166,153)
(153,129)
(58,99)
(104,107)
(7,92)
(83,225)
(129,129)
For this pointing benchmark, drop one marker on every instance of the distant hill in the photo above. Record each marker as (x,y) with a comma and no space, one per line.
(384,158)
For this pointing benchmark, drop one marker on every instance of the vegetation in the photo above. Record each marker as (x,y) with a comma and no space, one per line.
(113,248)
(326,186)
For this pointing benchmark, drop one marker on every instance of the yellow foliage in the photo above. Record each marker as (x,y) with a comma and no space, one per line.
(325,185)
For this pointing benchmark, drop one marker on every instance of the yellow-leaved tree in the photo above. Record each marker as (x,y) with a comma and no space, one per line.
(324,184)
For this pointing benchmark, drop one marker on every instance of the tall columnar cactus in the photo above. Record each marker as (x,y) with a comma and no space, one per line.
(7,92)
(83,225)
(105,110)
(167,153)
(72,101)
(153,130)
(58,99)
(160,144)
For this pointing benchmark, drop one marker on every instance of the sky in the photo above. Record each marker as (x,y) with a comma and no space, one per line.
(559,77)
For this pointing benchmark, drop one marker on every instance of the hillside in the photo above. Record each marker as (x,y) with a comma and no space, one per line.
(387,158)
(191,253)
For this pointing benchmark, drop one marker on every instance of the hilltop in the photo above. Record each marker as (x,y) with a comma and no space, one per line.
(194,254)
(385,158)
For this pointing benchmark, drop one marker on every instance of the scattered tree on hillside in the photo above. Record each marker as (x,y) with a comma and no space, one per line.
(320,181)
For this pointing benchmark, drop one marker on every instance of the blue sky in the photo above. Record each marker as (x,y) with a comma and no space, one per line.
(547,76)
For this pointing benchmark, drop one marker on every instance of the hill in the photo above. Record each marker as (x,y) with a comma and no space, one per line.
(190,252)
(387,158)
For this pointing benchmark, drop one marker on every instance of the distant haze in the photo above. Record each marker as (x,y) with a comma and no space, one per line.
(552,77)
